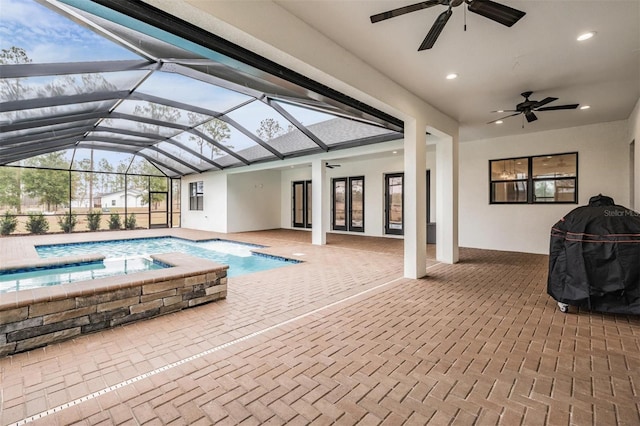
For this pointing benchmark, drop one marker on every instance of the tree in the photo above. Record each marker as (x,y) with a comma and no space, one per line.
(270,129)
(10,192)
(13,89)
(156,112)
(50,186)
(14,55)
(215,129)
(106,179)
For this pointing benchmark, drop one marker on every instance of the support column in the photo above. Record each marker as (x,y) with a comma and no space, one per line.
(447,199)
(319,203)
(415,199)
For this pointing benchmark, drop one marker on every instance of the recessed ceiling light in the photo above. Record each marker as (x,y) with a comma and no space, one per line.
(452,76)
(585,107)
(499,122)
(586,36)
(500,110)
(395,152)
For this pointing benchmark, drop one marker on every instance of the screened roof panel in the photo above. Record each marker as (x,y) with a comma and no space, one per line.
(181,167)
(54,111)
(192,91)
(120,136)
(341,130)
(161,112)
(109,146)
(123,85)
(228,161)
(142,166)
(13,89)
(153,130)
(60,159)
(8,136)
(227,135)
(332,129)
(184,155)
(99,160)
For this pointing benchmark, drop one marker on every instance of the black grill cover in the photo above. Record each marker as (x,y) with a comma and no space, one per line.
(594,258)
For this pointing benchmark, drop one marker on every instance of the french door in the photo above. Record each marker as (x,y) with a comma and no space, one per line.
(348,204)
(301,203)
(394,204)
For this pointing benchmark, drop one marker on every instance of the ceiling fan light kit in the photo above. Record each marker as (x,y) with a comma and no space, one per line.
(497,12)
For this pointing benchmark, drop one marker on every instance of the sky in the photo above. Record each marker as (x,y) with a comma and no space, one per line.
(49,37)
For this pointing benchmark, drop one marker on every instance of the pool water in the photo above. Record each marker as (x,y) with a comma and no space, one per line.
(237,255)
(24,279)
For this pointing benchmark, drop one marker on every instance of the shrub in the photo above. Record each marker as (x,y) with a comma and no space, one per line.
(8,223)
(130,222)
(114,221)
(68,222)
(37,223)
(93,220)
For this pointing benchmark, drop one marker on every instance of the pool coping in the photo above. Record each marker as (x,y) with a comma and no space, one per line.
(181,266)
(41,316)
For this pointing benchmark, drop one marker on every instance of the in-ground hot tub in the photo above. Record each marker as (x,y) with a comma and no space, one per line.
(41,316)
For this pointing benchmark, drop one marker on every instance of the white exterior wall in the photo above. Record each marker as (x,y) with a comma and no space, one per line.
(213,217)
(253,201)
(373,171)
(106,201)
(603,167)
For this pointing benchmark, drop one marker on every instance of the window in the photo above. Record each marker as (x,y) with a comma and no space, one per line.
(196,191)
(534,180)
(302,204)
(394,204)
(348,204)
(113,203)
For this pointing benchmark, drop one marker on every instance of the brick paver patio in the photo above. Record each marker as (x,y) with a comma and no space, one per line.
(342,338)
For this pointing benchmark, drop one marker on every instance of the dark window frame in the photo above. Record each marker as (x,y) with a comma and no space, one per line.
(387,229)
(348,196)
(306,198)
(529,181)
(196,198)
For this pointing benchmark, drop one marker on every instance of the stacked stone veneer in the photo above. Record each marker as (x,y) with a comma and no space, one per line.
(39,317)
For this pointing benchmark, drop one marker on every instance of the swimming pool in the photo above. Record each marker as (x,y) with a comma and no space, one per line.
(238,256)
(29,278)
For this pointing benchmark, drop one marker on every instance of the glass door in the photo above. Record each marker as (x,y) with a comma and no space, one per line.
(301,202)
(394,204)
(158,209)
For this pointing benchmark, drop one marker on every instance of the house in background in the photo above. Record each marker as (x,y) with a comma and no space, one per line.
(117,199)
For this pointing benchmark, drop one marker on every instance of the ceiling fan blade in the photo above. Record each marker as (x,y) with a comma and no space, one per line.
(530,116)
(498,119)
(500,13)
(402,10)
(543,102)
(551,108)
(435,30)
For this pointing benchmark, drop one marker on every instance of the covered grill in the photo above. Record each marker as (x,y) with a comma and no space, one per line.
(594,258)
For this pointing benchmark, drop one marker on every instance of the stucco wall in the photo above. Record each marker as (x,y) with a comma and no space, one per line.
(603,167)
(253,201)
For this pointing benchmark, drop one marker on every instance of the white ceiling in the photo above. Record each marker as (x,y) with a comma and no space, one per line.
(496,63)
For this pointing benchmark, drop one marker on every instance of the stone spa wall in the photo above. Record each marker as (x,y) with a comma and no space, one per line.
(33,318)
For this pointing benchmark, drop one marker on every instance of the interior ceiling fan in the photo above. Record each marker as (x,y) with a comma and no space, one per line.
(528,107)
(331,166)
(500,13)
